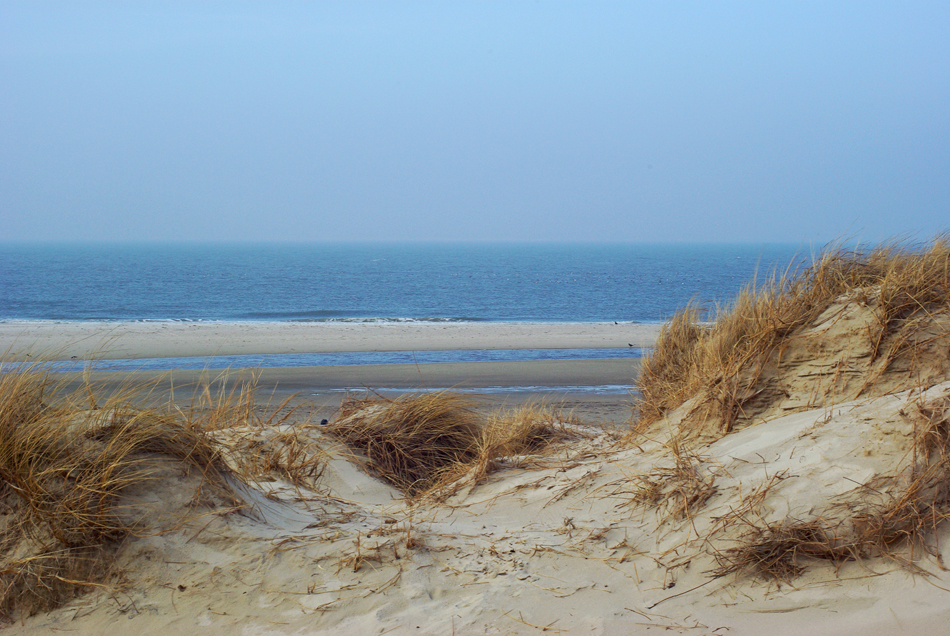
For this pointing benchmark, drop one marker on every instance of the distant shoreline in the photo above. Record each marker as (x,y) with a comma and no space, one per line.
(28,340)
(327,321)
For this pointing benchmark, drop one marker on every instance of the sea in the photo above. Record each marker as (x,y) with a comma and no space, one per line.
(444,282)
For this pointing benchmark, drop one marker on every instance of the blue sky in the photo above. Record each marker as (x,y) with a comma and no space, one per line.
(636,121)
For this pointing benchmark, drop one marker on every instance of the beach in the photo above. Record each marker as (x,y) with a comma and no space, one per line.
(557,515)
(49,340)
(474,318)
(577,386)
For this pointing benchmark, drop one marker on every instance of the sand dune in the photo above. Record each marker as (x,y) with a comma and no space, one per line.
(568,542)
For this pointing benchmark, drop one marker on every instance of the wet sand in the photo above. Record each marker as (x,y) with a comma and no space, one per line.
(572,384)
(596,390)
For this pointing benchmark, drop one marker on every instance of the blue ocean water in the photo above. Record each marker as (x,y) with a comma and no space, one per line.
(375,282)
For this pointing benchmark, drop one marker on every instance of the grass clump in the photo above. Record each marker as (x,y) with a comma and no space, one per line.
(67,464)
(527,430)
(894,529)
(413,441)
(289,453)
(259,441)
(676,491)
(871,315)
(433,443)
(894,516)
(774,552)
(509,436)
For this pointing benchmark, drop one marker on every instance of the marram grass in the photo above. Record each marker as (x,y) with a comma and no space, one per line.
(69,458)
(430,444)
(721,366)
(856,323)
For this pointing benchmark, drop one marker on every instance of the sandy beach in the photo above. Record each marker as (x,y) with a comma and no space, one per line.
(567,383)
(564,375)
(23,340)
(474,319)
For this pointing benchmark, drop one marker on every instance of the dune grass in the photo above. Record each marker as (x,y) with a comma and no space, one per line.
(68,458)
(718,365)
(518,436)
(898,526)
(254,437)
(676,491)
(429,444)
(896,516)
(269,452)
(412,441)
(854,323)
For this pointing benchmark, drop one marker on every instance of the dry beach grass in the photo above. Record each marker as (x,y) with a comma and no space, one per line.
(73,463)
(896,298)
(66,464)
(425,443)
(856,325)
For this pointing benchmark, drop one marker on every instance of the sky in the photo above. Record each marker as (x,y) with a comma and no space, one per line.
(474,121)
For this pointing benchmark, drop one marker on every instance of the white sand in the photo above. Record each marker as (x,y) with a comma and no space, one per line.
(62,341)
(556,549)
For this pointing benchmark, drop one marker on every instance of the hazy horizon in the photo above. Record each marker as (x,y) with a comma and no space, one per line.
(398,242)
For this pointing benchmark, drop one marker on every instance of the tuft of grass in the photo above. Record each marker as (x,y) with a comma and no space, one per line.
(722,366)
(291,454)
(430,445)
(226,401)
(529,429)
(68,462)
(258,442)
(677,491)
(774,552)
(893,517)
(44,580)
(666,376)
(413,441)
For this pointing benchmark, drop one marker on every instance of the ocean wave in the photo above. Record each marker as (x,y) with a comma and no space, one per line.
(168,320)
(345,316)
